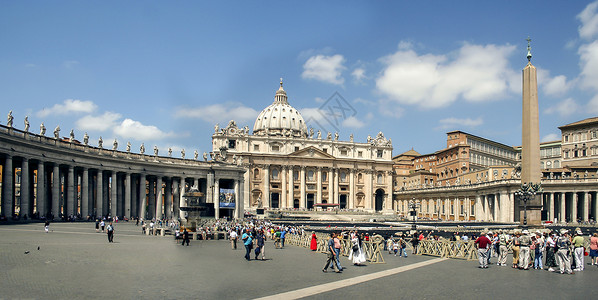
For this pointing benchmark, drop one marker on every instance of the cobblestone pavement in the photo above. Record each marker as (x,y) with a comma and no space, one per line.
(73,261)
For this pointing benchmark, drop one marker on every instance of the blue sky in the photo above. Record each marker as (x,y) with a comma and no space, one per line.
(163,73)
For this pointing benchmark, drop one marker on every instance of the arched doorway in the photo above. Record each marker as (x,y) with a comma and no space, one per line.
(379,199)
(310,201)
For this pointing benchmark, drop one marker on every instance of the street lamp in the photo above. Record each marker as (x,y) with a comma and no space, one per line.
(413,205)
(527,192)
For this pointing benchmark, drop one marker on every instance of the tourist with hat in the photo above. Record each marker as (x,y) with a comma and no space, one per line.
(515,249)
(524,243)
(563,244)
(578,250)
(594,249)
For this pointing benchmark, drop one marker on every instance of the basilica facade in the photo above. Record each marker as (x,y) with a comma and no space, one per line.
(289,166)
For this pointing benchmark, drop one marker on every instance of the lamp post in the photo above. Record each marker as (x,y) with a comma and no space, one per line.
(527,192)
(413,205)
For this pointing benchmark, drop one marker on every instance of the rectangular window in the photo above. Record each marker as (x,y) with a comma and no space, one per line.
(380,153)
(344,152)
(256,147)
(275,148)
(359,154)
(325,150)
(232,144)
(296,149)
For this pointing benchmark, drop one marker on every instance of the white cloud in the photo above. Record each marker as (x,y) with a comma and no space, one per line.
(456,123)
(589,65)
(312,113)
(564,108)
(390,109)
(130,129)
(363,101)
(324,68)
(477,73)
(67,107)
(593,105)
(358,74)
(589,21)
(550,137)
(319,100)
(353,122)
(98,123)
(220,113)
(557,85)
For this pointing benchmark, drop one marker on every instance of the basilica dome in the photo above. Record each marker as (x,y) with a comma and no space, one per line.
(280,118)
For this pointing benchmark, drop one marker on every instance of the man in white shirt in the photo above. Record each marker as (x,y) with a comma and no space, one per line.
(233,239)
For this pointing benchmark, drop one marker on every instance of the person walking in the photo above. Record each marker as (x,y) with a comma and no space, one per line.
(524,243)
(594,249)
(47,226)
(233,238)
(538,251)
(483,243)
(551,252)
(283,236)
(337,251)
(313,246)
(102,225)
(503,240)
(185,237)
(110,231)
(97,225)
(563,244)
(357,256)
(330,261)
(260,241)
(578,251)
(248,243)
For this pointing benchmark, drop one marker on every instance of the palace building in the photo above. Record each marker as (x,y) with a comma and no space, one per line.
(291,167)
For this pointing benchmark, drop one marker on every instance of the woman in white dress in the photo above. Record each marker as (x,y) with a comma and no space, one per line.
(357,255)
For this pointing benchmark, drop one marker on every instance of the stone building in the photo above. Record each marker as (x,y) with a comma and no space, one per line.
(580,143)
(292,167)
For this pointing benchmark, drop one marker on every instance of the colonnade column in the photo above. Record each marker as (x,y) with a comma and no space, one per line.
(142,191)
(237,213)
(151,198)
(574,201)
(128,187)
(176,205)
(302,201)
(159,198)
(266,186)
(84,193)
(352,190)
(478,207)
(56,190)
(168,198)
(457,205)
(25,196)
(113,194)
(69,181)
(551,207)
(217,197)
(319,186)
(7,188)
(100,193)
(181,191)
(41,189)
(586,206)
(562,202)
(284,187)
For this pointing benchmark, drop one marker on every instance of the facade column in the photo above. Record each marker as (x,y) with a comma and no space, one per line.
(127,186)
(586,206)
(142,195)
(168,198)
(302,201)
(100,193)
(41,189)
(113,194)
(176,204)
(457,205)
(331,185)
(159,198)
(369,191)
(238,203)
(335,198)
(351,199)
(151,198)
(319,186)
(267,186)
(291,187)
(25,195)
(56,190)
(284,195)
(84,193)
(217,197)
(595,198)
(7,188)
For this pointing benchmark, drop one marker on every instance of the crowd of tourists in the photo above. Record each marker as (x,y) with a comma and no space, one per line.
(555,251)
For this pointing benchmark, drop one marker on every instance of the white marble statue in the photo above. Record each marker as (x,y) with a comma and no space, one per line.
(86,139)
(142,148)
(100,142)
(155,150)
(205,156)
(115,145)
(351,138)
(128,146)
(42,129)
(9,119)
(336,136)
(169,152)
(319,135)
(26,123)
(72,136)
(57,132)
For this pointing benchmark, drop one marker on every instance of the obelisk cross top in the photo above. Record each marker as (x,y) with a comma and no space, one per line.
(529,50)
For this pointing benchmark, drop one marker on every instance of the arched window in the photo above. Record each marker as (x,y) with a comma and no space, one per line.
(557,164)
(360,178)
(310,175)
(256,173)
(343,177)
(275,174)
(380,179)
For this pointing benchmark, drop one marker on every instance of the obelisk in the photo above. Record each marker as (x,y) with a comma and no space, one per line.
(530,138)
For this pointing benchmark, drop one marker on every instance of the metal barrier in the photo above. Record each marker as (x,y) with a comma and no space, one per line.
(372,248)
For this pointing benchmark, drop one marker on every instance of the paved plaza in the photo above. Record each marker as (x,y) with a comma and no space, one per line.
(73,261)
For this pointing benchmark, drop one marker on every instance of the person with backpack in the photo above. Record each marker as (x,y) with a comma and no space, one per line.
(564,244)
(503,240)
(248,242)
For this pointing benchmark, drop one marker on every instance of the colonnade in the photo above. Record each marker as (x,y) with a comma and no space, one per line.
(568,206)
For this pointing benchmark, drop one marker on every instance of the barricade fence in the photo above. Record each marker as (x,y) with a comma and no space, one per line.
(372,248)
